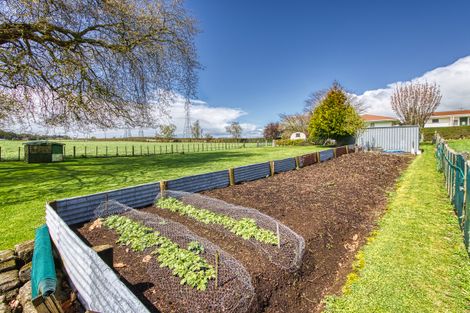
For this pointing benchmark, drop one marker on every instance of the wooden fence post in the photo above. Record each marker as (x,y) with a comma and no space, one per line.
(347,149)
(162,185)
(334,153)
(96,152)
(74,152)
(297,163)
(85,151)
(231,175)
(271,166)
(133,150)
(106,152)
(19,153)
(0,153)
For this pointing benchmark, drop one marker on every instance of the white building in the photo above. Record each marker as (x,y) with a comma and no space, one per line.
(449,118)
(378,120)
(298,136)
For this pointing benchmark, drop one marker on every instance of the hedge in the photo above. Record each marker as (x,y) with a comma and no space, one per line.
(454,132)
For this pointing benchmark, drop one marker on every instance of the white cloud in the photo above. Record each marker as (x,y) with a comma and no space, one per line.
(453,79)
(213,120)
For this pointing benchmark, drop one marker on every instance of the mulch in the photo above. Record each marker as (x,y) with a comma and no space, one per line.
(334,205)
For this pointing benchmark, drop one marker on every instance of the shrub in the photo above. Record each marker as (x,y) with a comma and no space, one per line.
(292,142)
(455,132)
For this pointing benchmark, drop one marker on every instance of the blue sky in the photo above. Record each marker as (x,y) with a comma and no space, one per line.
(262,58)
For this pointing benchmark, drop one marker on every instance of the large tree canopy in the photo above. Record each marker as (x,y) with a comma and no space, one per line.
(93,62)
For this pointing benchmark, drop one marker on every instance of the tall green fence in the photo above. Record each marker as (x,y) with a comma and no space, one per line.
(455,168)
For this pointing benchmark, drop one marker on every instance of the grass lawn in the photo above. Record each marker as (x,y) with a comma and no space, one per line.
(24,188)
(14,149)
(416,260)
(460,145)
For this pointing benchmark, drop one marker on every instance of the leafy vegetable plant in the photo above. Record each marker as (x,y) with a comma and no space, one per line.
(186,264)
(245,227)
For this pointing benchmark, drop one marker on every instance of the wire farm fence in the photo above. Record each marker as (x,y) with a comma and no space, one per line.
(15,152)
(455,168)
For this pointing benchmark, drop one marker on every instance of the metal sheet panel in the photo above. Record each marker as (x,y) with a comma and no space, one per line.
(402,138)
(326,155)
(284,165)
(251,172)
(81,209)
(308,159)
(97,286)
(201,182)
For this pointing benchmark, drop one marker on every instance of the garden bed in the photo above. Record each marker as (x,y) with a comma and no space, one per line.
(333,205)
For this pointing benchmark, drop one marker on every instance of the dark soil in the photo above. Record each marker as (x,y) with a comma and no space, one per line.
(334,205)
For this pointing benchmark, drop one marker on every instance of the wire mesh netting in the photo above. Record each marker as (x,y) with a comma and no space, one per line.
(288,251)
(233,291)
(456,175)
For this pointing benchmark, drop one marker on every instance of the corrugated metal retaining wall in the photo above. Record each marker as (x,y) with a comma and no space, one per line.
(200,182)
(81,209)
(284,165)
(99,289)
(403,138)
(252,172)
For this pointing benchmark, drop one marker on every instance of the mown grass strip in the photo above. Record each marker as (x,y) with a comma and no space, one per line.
(416,260)
(183,263)
(245,227)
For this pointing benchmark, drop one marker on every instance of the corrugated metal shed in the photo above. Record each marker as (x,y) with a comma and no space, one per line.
(401,138)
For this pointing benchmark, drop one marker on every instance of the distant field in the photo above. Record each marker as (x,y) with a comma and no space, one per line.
(13,149)
(460,145)
(24,188)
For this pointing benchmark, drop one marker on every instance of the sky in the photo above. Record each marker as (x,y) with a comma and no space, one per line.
(262,58)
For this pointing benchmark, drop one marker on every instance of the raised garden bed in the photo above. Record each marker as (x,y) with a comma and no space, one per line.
(332,205)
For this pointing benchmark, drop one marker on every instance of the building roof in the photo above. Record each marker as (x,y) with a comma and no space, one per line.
(455,112)
(376,118)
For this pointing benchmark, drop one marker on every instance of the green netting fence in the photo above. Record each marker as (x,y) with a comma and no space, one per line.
(455,165)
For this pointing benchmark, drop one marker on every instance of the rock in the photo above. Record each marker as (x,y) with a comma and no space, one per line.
(9,280)
(2,298)
(24,251)
(10,295)
(29,308)
(24,296)
(7,265)
(25,272)
(6,255)
(4,308)
(15,306)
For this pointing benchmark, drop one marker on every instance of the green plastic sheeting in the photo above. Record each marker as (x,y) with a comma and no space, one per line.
(43,275)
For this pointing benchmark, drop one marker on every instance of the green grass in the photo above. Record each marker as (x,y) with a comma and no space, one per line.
(460,145)
(24,188)
(90,148)
(416,261)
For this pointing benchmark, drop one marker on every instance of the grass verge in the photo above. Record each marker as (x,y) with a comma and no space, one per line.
(24,188)
(416,260)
